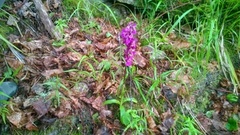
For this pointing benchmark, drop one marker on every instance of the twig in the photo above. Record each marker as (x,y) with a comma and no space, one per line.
(47,22)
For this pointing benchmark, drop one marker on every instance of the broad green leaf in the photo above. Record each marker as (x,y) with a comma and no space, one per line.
(108,34)
(105,65)
(125,117)
(232,123)
(154,85)
(232,98)
(130,100)
(111,101)
(58,43)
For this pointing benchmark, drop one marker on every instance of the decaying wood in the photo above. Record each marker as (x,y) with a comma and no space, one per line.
(47,22)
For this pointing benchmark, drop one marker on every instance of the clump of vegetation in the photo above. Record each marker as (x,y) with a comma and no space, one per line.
(167,72)
(54,84)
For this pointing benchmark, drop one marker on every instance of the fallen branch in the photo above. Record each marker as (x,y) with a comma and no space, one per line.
(47,22)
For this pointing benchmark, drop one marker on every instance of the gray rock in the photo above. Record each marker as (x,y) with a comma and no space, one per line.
(1,3)
(130,2)
(7,90)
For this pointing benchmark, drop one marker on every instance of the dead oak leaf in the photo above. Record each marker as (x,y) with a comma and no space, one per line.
(181,77)
(74,56)
(205,122)
(50,61)
(181,44)
(101,86)
(34,44)
(150,120)
(31,127)
(113,88)
(167,121)
(64,110)
(52,72)
(75,104)
(87,100)
(41,107)
(17,119)
(107,44)
(139,59)
(30,124)
(105,113)
(98,103)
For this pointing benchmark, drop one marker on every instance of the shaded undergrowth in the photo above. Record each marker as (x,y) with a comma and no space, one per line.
(184,77)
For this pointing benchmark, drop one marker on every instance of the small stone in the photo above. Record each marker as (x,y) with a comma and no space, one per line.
(7,90)
(37,88)
(81,87)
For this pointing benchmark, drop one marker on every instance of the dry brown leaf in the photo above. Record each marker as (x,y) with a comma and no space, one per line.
(173,86)
(181,44)
(105,113)
(150,120)
(49,62)
(73,31)
(172,36)
(98,103)
(17,119)
(80,46)
(182,91)
(72,25)
(15,64)
(63,111)
(72,56)
(212,66)
(225,83)
(155,111)
(178,42)
(34,44)
(181,77)
(30,124)
(105,40)
(41,107)
(87,100)
(101,86)
(107,46)
(31,127)
(75,105)
(167,121)
(113,89)
(49,73)
(205,122)
(139,59)
(108,85)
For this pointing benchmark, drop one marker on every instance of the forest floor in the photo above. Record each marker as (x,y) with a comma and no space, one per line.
(80,85)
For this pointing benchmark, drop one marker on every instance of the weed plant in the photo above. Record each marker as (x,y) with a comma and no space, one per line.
(209,35)
(214,36)
(4,111)
(89,9)
(187,126)
(55,84)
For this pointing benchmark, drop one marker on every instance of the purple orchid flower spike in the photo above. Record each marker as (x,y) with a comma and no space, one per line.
(128,36)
